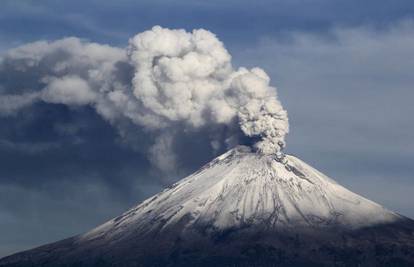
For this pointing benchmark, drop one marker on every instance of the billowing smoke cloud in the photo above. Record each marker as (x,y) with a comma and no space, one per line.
(165,82)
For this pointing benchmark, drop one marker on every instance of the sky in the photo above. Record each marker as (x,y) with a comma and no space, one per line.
(343,71)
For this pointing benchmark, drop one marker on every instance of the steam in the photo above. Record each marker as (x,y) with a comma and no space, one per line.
(164,82)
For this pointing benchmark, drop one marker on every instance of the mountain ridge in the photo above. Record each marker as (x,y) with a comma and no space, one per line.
(242,207)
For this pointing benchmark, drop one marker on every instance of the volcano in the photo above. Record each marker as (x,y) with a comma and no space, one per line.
(244,208)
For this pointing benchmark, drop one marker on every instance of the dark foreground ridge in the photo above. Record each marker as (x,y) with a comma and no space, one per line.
(385,245)
(242,209)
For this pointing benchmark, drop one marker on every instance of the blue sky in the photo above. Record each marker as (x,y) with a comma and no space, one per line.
(343,70)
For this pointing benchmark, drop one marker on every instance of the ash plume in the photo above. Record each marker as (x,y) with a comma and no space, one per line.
(165,83)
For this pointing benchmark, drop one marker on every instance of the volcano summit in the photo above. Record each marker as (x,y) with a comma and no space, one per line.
(244,208)
(252,206)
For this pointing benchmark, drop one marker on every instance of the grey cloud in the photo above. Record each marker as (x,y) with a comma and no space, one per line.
(10,104)
(181,81)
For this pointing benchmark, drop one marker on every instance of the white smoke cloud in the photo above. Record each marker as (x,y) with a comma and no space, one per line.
(70,90)
(181,76)
(161,154)
(165,79)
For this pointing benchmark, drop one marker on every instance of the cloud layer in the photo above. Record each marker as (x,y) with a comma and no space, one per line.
(165,82)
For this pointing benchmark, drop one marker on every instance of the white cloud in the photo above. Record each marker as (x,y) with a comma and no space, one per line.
(165,81)
(69,90)
(188,77)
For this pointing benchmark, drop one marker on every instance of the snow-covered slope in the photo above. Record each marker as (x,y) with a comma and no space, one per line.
(242,187)
(242,209)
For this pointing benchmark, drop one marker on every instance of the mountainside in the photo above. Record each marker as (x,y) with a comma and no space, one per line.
(242,209)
